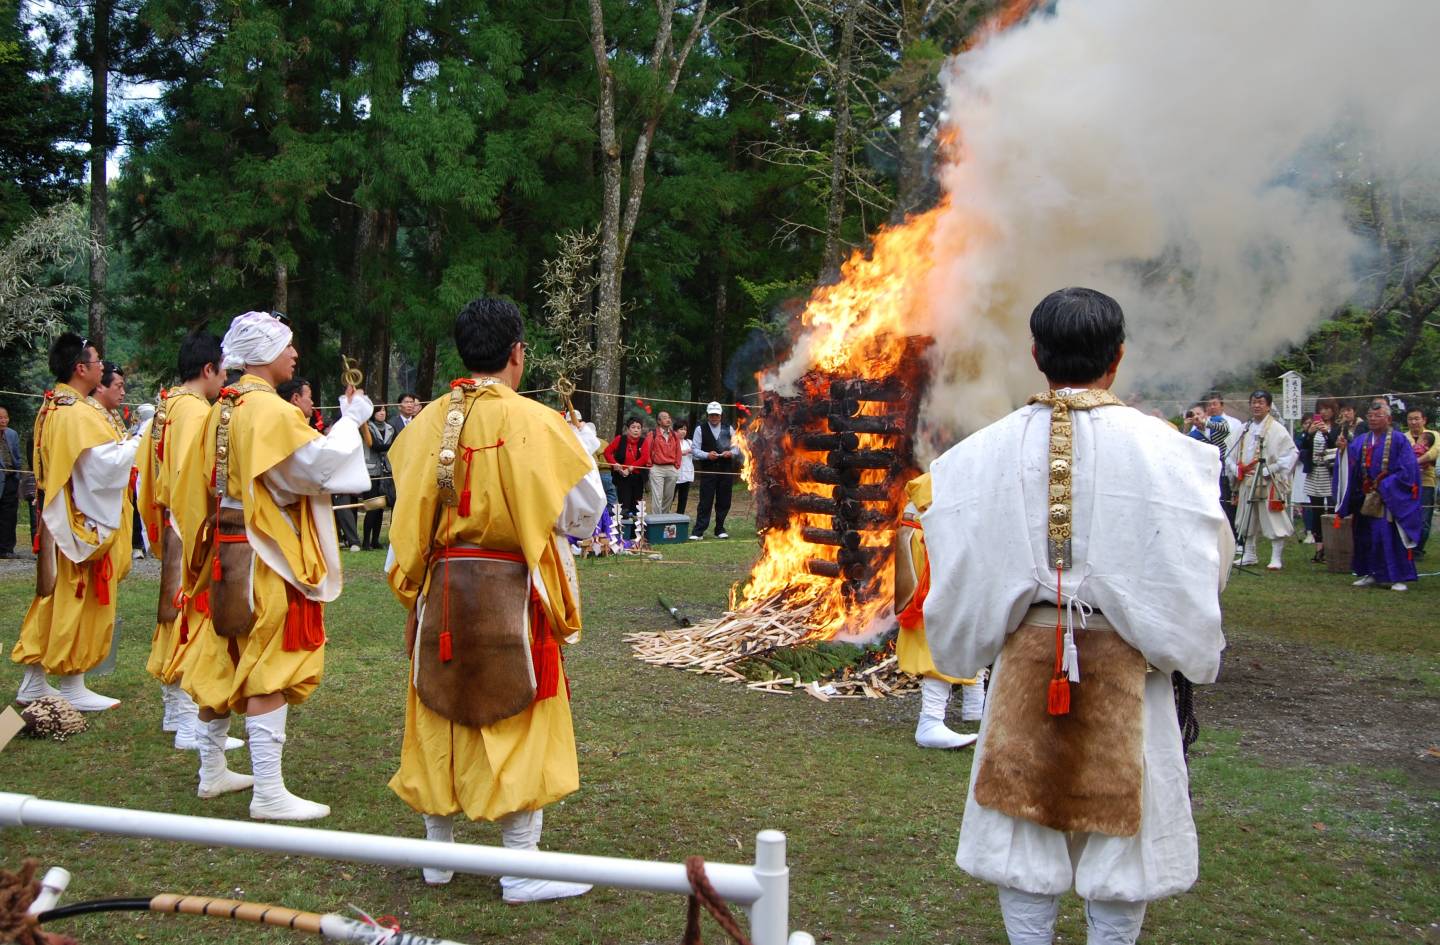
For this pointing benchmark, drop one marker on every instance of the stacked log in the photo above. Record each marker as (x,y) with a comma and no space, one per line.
(847,443)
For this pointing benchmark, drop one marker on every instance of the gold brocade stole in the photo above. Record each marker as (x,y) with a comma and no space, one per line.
(228,397)
(1061,462)
(1058,525)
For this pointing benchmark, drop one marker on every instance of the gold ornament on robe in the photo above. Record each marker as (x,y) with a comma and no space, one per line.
(1057,519)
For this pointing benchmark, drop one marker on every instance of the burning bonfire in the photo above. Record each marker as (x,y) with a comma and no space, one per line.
(827,458)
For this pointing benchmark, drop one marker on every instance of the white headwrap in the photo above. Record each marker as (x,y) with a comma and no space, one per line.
(254,338)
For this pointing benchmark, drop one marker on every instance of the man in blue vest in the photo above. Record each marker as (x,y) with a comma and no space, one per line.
(716,464)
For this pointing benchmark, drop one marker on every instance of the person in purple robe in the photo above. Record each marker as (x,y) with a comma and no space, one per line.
(1382,498)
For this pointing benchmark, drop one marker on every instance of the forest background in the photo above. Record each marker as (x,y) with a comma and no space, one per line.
(671,177)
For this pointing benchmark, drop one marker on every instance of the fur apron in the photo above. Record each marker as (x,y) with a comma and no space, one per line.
(1075,772)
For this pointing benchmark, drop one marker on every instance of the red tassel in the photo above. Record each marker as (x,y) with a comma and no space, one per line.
(1335,522)
(445,652)
(1059,703)
(465,504)
(545,654)
(101,572)
(35,543)
(215,570)
(184,627)
(80,590)
(201,602)
(153,531)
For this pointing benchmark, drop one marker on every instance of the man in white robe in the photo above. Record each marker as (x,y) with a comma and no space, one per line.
(1139,565)
(1262,465)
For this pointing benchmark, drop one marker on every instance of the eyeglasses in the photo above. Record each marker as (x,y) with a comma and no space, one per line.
(524,345)
(281,317)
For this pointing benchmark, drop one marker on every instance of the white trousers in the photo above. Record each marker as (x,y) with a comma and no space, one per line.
(1030,919)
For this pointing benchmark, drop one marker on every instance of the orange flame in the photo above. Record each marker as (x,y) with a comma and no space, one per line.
(854,328)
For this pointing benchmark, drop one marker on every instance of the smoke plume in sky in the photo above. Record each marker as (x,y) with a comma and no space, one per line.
(1192,159)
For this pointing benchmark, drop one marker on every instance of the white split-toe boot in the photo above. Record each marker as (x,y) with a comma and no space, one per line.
(215,777)
(271,800)
(521,831)
(168,721)
(441,829)
(72,690)
(972,699)
(34,686)
(1277,555)
(930,731)
(190,731)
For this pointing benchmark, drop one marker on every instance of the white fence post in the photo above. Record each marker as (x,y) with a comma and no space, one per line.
(764,888)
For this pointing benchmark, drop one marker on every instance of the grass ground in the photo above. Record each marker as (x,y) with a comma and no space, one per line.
(1298,844)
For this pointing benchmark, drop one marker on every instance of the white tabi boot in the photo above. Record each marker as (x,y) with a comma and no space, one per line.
(440,828)
(168,721)
(271,800)
(73,691)
(1249,556)
(931,732)
(972,699)
(521,831)
(1277,555)
(215,777)
(190,731)
(34,686)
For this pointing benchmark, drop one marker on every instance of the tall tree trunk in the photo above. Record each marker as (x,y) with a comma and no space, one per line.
(717,338)
(99,155)
(910,182)
(616,229)
(840,150)
(425,371)
(281,299)
(607,320)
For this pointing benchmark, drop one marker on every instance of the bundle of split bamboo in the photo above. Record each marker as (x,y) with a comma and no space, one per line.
(718,647)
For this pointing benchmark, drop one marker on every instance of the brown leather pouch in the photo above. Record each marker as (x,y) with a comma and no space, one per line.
(170,568)
(1373,506)
(1080,771)
(231,607)
(45,565)
(483,630)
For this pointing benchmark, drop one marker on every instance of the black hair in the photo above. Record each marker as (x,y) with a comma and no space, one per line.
(409,394)
(485,331)
(1264,395)
(107,376)
(630,420)
(198,349)
(1078,333)
(1213,395)
(1419,410)
(288,389)
(67,351)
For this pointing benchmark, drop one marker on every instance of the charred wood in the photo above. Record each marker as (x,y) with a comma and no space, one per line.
(829,536)
(823,442)
(862,459)
(829,475)
(822,568)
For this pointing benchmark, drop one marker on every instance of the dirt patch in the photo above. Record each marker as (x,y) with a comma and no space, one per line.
(1298,705)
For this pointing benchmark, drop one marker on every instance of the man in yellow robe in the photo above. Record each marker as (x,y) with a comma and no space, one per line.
(485,473)
(912,650)
(82,467)
(170,442)
(259,536)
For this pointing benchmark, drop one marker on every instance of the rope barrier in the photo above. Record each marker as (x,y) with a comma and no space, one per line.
(1182,404)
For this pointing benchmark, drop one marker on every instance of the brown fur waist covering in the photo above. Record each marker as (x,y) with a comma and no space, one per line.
(171,566)
(231,607)
(473,662)
(1075,772)
(46,568)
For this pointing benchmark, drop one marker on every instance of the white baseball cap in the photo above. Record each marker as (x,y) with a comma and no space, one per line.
(713,407)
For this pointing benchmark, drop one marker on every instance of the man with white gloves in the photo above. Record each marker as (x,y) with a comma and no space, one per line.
(264,548)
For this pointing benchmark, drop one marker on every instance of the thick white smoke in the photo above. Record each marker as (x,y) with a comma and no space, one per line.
(1192,159)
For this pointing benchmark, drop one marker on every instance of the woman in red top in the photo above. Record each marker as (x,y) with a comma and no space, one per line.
(629,456)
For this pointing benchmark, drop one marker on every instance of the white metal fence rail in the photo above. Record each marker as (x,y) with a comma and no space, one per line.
(763,888)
